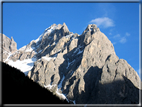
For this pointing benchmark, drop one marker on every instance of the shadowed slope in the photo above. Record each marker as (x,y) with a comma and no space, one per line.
(19,89)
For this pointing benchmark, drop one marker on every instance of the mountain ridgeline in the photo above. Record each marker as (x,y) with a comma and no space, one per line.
(85,68)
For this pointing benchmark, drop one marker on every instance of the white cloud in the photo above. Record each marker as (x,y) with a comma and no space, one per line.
(114,43)
(127,34)
(119,38)
(110,33)
(116,36)
(104,22)
(123,40)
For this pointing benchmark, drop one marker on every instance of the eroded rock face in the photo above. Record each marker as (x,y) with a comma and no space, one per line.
(85,67)
(9,46)
(83,64)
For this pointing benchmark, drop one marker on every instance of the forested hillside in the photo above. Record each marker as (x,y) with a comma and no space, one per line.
(19,89)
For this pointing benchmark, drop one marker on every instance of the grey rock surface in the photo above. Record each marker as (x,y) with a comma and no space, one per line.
(83,64)
(85,67)
(8,46)
(13,45)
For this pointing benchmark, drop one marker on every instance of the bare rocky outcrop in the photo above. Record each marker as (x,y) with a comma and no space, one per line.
(83,63)
(85,67)
(9,46)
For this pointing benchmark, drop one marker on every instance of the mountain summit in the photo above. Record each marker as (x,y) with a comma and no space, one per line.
(84,68)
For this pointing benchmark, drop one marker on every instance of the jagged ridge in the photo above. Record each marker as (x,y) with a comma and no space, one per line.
(79,64)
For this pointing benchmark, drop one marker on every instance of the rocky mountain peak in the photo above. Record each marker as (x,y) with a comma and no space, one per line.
(80,66)
(65,30)
(92,28)
(9,46)
(12,38)
(53,25)
(65,27)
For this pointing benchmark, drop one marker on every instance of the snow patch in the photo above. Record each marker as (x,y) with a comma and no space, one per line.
(29,49)
(49,86)
(54,43)
(47,58)
(39,38)
(79,52)
(57,91)
(39,51)
(60,84)
(78,48)
(69,63)
(59,50)
(75,50)
(68,36)
(23,48)
(25,66)
(62,95)
(47,31)
(50,29)
(10,54)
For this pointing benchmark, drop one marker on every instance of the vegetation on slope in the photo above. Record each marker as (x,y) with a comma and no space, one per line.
(19,89)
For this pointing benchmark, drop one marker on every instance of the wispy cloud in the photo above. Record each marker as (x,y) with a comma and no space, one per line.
(114,43)
(116,36)
(127,34)
(104,22)
(106,9)
(110,33)
(123,40)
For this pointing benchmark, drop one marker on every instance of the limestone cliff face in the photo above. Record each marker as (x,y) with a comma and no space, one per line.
(85,67)
(8,46)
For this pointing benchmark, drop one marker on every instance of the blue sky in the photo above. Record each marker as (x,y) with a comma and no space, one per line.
(118,21)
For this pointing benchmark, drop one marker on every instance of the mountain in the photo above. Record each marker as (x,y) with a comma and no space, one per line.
(84,68)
